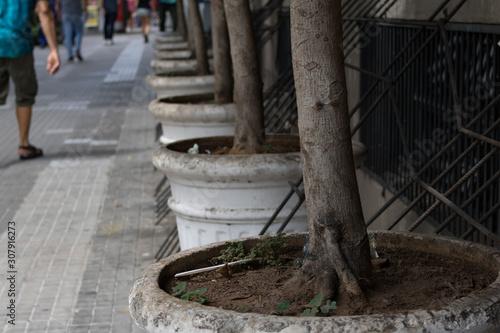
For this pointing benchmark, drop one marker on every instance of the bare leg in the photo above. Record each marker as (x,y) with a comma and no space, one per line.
(24,122)
(147,25)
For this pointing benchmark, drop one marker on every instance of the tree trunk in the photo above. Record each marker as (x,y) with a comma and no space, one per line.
(200,47)
(222,56)
(249,136)
(181,20)
(338,260)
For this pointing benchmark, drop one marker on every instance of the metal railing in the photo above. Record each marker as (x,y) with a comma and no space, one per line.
(428,113)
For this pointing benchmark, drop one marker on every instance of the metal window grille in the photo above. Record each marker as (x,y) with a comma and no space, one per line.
(430,120)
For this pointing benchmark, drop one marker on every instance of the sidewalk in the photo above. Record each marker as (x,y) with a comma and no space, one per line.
(83,215)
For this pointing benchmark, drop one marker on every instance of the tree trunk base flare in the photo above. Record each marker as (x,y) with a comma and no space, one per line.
(331,276)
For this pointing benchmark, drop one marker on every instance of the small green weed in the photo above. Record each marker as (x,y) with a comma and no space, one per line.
(283,306)
(244,309)
(234,251)
(190,295)
(268,250)
(178,289)
(267,149)
(315,306)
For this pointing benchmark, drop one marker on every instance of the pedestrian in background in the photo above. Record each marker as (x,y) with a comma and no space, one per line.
(144,11)
(73,18)
(109,8)
(17,62)
(131,13)
(163,7)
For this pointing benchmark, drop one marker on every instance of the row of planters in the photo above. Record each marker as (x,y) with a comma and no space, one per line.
(336,276)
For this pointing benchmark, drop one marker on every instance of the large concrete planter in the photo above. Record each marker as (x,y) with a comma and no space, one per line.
(223,197)
(168,86)
(154,310)
(168,38)
(185,117)
(171,46)
(178,54)
(181,66)
(173,55)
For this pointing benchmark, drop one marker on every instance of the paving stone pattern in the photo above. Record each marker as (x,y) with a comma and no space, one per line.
(84,213)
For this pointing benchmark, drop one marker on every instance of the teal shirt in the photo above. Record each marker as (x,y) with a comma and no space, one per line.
(170,2)
(15,27)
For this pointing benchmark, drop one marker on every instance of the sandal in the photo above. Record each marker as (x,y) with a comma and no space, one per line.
(33,152)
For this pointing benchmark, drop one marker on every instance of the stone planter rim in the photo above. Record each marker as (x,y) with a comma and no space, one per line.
(183,112)
(167,86)
(153,80)
(172,161)
(457,312)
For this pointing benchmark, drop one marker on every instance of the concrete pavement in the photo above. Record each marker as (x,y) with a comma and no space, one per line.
(80,221)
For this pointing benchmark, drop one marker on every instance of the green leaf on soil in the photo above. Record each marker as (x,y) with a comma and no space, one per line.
(192,293)
(316,301)
(283,306)
(179,288)
(328,306)
(201,299)
(309,312)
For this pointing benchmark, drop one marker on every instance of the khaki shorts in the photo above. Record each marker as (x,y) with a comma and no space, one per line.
(22,72)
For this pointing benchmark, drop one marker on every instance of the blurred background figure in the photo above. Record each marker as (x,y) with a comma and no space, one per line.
(131,17)
(73,18)
(144,10)
(109,8)
(163,7)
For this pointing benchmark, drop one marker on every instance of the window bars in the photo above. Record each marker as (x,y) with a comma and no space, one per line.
(428,113)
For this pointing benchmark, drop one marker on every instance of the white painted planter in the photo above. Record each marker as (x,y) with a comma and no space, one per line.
(223,197)
(177,54)
(182,117)
(170,38)
(168,86)
(173,55)
(156,311)
(182,45)
(181,67)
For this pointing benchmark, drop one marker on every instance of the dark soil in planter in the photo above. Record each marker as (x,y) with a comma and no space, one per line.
(221,145)
(410,281)
(189,99)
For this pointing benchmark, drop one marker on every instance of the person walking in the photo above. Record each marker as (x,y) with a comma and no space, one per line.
(163,7)
(144,11)
(17,62)
(73,18)
(131,15)
(109,8)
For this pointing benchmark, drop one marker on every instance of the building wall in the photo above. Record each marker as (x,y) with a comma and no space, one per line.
(474,11)
(374,196)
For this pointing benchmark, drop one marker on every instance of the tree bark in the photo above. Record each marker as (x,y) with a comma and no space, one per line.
(339,255)
(222,56)
(249,136)
(181,20)
(200,47)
